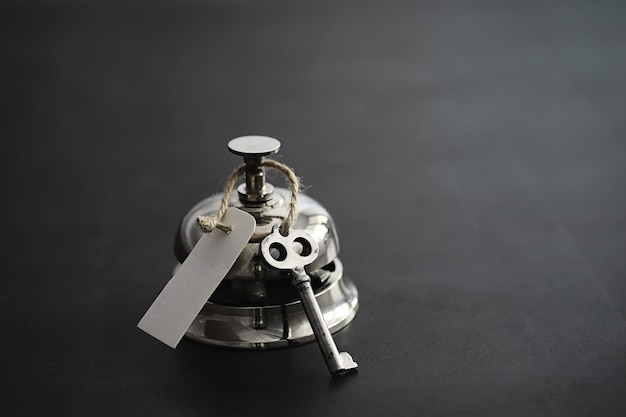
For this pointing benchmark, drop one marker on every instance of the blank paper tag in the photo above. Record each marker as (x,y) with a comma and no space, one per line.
(173,311)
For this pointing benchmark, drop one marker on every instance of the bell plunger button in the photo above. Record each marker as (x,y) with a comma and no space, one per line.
(254,146)
(255,191)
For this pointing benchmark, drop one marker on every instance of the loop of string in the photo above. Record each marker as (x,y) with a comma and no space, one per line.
(210,223)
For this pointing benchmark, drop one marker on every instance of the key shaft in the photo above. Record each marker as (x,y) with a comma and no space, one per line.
(337,362)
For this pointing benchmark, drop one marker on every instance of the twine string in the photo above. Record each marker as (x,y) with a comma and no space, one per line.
(210,223)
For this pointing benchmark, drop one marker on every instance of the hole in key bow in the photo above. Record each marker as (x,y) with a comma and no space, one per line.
(302,246)
(278,252)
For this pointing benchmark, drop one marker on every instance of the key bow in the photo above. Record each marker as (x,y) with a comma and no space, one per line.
(297,249)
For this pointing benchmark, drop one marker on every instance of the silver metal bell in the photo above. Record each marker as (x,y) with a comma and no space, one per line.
(256,306)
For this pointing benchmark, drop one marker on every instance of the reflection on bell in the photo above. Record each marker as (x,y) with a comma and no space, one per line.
(256,306)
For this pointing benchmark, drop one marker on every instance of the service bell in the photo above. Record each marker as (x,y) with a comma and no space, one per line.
(257,306)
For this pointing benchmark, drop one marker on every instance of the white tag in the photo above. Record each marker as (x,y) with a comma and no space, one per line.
(182,298)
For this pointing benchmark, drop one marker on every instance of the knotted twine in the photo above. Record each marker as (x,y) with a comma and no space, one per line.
(210,223)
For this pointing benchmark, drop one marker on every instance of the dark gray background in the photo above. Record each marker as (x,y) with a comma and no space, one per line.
(472,154)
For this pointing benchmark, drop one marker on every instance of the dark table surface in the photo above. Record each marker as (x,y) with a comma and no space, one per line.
(472,155)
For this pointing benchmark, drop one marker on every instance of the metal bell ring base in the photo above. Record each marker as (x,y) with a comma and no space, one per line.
(256,307)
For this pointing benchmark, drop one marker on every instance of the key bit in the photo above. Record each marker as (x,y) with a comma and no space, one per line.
(293,252)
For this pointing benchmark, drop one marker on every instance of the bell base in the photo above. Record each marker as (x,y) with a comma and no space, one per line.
(276,326)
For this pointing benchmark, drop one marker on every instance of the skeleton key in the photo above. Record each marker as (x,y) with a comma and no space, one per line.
(293,252)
